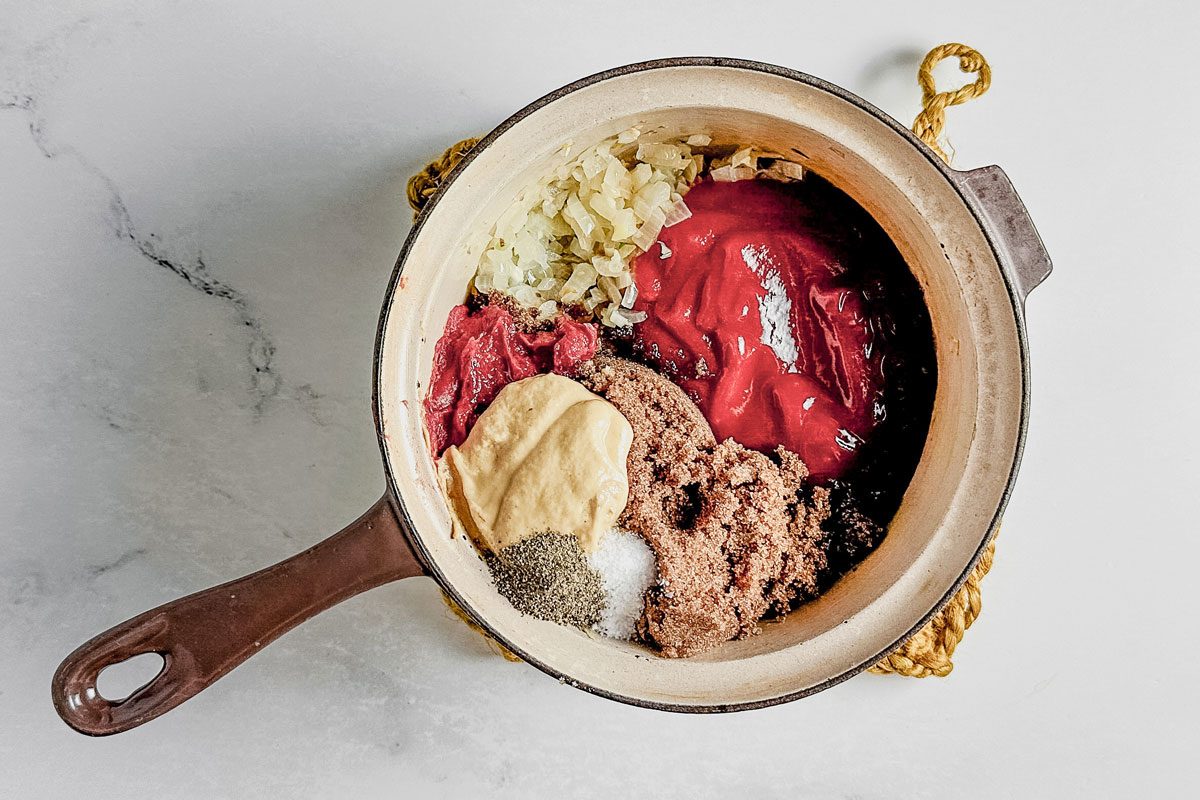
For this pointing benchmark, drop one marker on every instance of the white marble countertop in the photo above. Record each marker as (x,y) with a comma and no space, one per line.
(199,210)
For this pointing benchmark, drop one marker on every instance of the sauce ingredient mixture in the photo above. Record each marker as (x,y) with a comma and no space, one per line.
(743,375)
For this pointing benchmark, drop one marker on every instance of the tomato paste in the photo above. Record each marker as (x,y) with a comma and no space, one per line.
(480,353)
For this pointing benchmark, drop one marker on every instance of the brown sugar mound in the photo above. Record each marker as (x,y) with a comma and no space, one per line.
(525,318)
(737,533)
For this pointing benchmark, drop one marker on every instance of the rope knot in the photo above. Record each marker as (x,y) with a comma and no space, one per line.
(425,184)
(931,122)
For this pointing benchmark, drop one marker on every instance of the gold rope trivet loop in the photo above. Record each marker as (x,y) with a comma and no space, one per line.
(931,122)
(424,185)
(929,652)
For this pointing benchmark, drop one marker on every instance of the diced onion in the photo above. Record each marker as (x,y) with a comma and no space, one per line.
(609,287)
(677,213)
(641,175)
(668,156)
(648,233)
(730,174)
(578,216)
(743,158)
(630,296)
(609,266)
(784,171)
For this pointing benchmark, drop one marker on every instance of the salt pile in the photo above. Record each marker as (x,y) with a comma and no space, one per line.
(774,309)
(627,569)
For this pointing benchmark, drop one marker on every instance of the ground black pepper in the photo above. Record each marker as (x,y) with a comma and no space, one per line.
(547,576)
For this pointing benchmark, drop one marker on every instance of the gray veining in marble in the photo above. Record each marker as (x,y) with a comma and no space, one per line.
(265,383)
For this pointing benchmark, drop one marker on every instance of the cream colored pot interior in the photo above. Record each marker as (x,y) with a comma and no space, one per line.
(972,445)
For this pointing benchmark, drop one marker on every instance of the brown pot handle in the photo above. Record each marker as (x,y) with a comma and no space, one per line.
(203,636)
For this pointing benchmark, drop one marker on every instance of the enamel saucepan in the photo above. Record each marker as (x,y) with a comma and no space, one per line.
(965,235)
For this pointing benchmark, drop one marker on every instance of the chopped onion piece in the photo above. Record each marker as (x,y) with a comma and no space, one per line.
(579,219)
(698,140)
(628,136)
(641,208)
(614,318)
(609,266)
(525,295)
(729,174)
(722,174)
(583,277)
(617,180)
(641,175)
(743,158)
(604,205)
(648,233)
(785,170)
(677,213)
(663,155)
(624,225)
(630,296)
(654,195)
(609,287)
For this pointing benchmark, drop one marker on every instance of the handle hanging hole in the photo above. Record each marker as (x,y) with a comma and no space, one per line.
(117,682)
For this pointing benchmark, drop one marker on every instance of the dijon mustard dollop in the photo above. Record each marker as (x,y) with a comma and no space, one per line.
(546,455)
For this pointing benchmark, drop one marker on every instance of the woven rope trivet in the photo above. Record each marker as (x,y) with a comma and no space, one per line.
(930,651)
